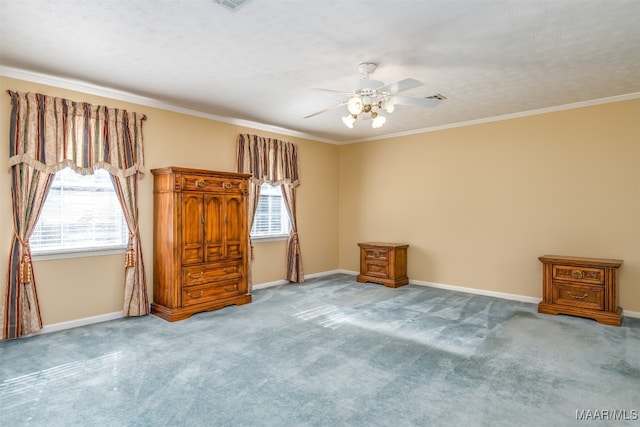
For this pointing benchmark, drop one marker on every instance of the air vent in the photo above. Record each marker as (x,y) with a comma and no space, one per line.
(232,5)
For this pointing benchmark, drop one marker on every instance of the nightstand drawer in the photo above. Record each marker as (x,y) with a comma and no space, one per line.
(578,295)
(376,269)
(376,254)
(579,274)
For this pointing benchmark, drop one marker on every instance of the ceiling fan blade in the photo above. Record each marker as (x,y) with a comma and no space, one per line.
(335,91)
(416,102)
(333,107)
(401,85)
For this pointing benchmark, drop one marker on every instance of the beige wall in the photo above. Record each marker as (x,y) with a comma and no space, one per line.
(75,288)
(479,204)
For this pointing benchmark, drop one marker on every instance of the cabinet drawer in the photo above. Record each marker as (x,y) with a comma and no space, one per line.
(579,295)
(376,269)
(205,293)
(578,274)
(377,254)
(198,275)
(204,183)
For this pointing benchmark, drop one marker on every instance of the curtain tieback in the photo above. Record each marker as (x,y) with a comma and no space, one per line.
(26,272)
(130,257)
(294,238)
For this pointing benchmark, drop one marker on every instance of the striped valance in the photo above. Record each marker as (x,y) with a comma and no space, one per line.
(268,160)
(51,133)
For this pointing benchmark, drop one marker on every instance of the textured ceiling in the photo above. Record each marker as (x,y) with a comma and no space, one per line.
(261,62)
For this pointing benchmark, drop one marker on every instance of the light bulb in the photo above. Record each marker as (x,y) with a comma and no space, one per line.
(349,120)
(389,105)
(378,121)
(354,105)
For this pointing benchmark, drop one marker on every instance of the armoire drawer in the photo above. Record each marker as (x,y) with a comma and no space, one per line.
(204,183)
(208,292)
(198,275)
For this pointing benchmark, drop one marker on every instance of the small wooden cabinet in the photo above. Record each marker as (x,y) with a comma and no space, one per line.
(384,263)
(200,241)
(585,287)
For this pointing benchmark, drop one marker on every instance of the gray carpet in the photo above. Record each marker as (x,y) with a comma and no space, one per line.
(330,352)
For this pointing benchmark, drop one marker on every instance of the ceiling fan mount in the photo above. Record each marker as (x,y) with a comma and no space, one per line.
(373,96)
(366,86)
(367,68)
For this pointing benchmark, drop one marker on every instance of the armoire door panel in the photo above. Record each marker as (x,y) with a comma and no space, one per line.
(234,250)
(214,253)
(192,227)
(234,227)
(214,227)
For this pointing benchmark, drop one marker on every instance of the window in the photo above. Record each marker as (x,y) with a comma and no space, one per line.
(81,213)
(272,219)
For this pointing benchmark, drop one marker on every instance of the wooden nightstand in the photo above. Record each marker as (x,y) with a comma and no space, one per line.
(384,263)
(585,287)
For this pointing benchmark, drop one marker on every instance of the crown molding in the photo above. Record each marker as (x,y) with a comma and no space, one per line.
(590,103)
(84,87)
(91,89)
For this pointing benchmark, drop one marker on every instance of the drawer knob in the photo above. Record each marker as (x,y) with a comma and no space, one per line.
(191,276)
(200,183)
(195,296)
(230,289)
(577,297)
(230,270)
(577,274)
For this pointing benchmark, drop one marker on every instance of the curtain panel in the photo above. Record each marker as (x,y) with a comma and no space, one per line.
(276,163)
(48,134)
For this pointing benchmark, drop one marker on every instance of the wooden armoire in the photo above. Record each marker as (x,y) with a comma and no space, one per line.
(200,241)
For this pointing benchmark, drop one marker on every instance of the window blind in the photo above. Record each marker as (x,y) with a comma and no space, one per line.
(81,212)
(271,217)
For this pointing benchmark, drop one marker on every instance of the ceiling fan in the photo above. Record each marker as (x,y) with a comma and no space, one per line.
(372,96)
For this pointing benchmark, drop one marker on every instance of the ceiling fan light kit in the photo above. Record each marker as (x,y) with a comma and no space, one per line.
(371,96)
(349,120)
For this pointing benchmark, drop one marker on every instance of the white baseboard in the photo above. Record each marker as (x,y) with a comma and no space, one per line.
(353,273)
(322,274)
(503,295)
(270,284)
(55,327)
(306,276)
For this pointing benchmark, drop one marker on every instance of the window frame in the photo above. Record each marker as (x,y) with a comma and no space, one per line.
(89,251)
(272,237)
